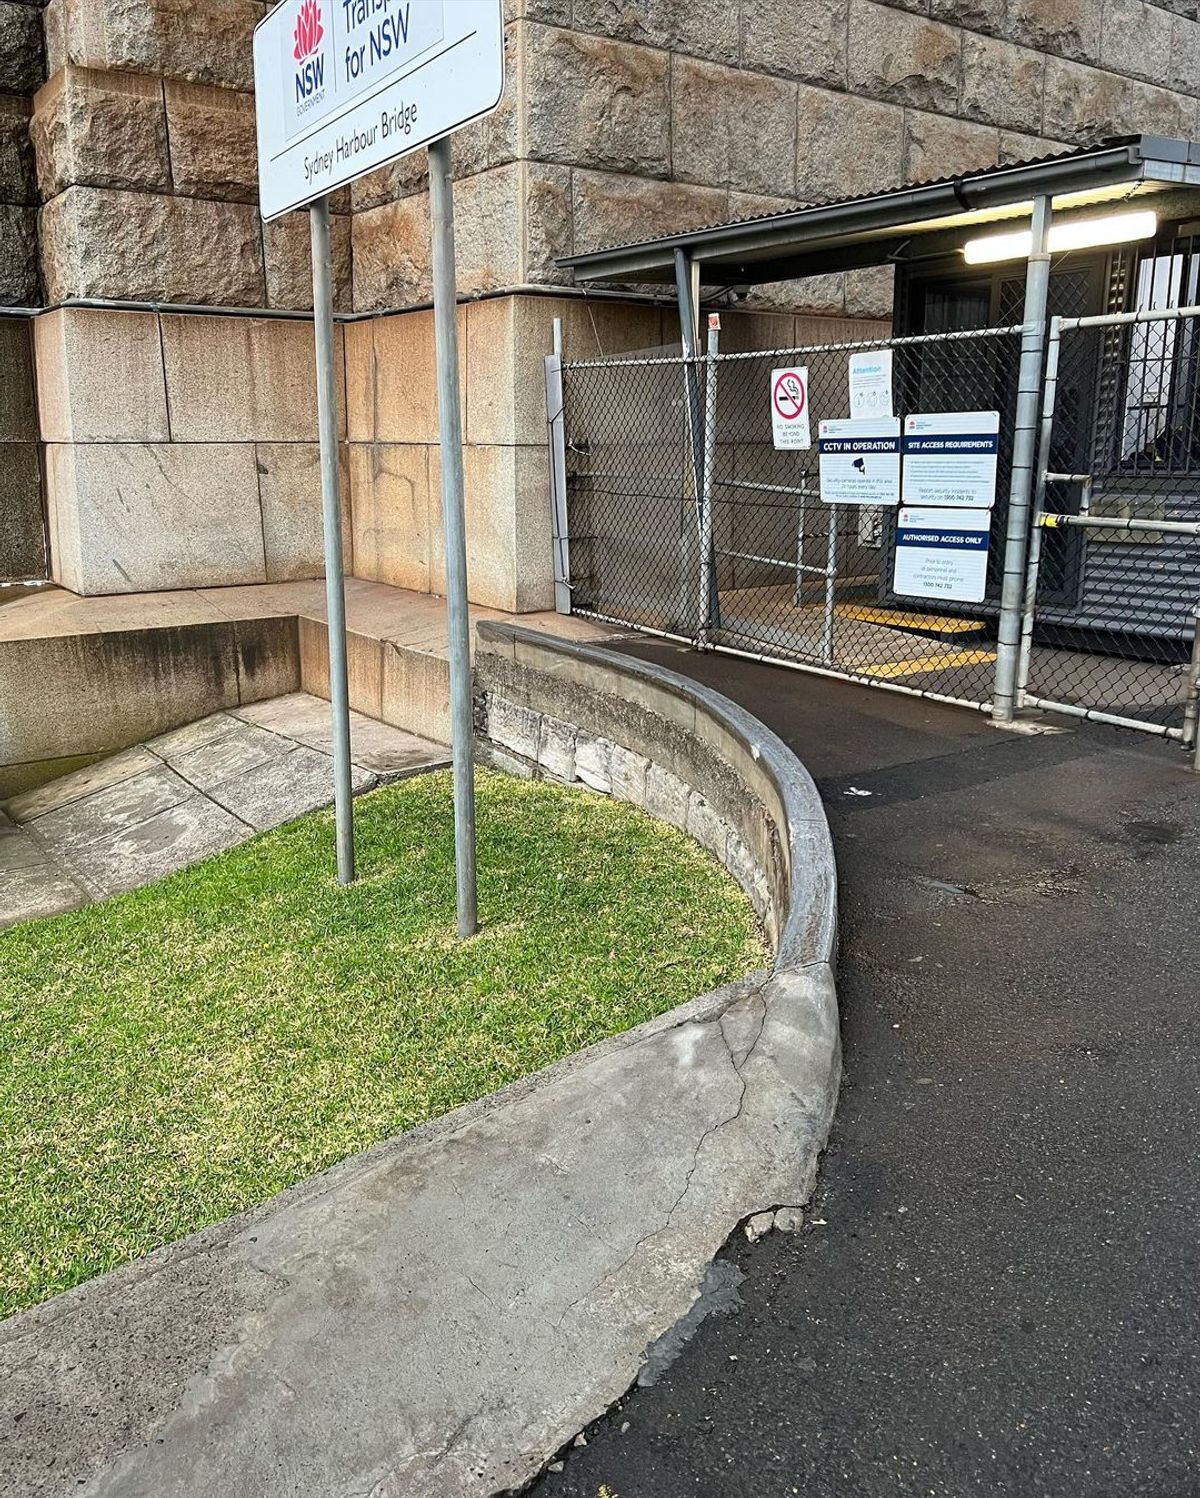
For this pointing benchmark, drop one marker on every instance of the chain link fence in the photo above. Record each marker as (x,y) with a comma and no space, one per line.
(1113,581)
(679,514)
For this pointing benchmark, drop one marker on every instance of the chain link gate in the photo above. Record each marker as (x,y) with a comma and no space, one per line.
(674,513)
(1112,594)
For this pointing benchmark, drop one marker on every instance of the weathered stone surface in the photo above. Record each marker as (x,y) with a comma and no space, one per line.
(100,376)
(100,129)
(902,58)
(556,748)
(123,804)
(134,517)
(213,147)
(596,101)
(1068,28)
(1136,38)
(732,128)
(22,60)
(284,788)
(36,888)
(99,242)
(846,146)
(18,256)
(1001,84)
(487,216)
(289,489)
(869,293)
(81,783)
(287,244)
(22,526)
(674,25)
(612,209)
(391,377)
(18,415)
(547,221)
(1085,104)
(364,665)
(807,41)
(207,41)
(1183,56)
(391,513)
(171,839)
(391,255)
(241,379)
(1015,146)
(936,146)
(242,746)
(976,15)
(17,180)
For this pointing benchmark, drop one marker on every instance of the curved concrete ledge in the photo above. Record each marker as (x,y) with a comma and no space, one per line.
(439,1315)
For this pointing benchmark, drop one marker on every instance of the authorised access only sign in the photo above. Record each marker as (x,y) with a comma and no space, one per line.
(343,86)
(942,553)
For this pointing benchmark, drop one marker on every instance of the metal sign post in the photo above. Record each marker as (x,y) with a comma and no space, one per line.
(445,314)
(331,508)
(340,89)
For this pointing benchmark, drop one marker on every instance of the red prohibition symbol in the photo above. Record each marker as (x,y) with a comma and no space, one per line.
(789,395)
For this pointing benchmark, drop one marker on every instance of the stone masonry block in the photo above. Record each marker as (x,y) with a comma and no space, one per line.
(936,146)
(903,58)
(22,526)
(391,255)
(609,208)
(99,242)
(515,728)
(289,488)
(673,25)
(22,60)
(1001,84)
(1183,64)
(391,513)
(732,128)
(1066,28)
(213,144)
(597,101)
(242,379)
(666,796)
(101,130)
(487,216)
(593,761)
(18,256)
(135,517)
(806,41)
(547,195)
(206,41)
(18,414)
(100,376)
(846,146)
(287,246)
(1136,38)
(706,826)
(556,748)
(17,177)
(628,775)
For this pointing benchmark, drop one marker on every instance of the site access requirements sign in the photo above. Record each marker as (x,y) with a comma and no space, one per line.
(342,86)
(950,458)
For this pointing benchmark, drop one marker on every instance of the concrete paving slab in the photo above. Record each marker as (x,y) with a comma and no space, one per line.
(110,810)
(17,848)
(74,787)
(284,788)
(297,715)
(191,736)
(378,747)
(240,747)
(38,887)
(172,839)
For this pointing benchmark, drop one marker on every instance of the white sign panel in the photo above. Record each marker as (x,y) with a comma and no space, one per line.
(789,409)
(343,86)
(860,462)
(950,459)
(942,553)
(871,384)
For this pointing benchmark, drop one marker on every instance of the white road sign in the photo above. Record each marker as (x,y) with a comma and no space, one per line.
(343,86)
(860,461)
(950,458)
(942,553)
(789,409)
(871,384)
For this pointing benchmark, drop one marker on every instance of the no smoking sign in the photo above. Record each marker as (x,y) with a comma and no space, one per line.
(789,408)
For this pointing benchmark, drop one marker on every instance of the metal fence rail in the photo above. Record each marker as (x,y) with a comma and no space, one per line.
(676,513)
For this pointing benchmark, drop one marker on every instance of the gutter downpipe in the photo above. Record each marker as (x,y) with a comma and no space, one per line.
(1025,434)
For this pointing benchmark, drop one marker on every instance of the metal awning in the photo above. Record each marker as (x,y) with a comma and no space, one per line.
(903,223)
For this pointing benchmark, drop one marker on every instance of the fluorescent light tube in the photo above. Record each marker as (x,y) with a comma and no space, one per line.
(1078,234)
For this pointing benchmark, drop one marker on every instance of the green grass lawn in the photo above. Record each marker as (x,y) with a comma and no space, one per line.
(178,1053)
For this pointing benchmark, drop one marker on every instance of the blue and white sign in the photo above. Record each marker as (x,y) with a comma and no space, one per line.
(950,458)
(942,553)
(860,461)
(343,86)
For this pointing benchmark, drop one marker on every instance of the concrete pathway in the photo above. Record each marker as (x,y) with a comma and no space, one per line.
(184,796)
(995,1292)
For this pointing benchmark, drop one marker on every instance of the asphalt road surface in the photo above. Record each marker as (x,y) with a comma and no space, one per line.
(997,1288)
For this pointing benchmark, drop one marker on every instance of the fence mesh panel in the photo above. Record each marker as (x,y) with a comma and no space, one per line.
(788,576)
(1113,625)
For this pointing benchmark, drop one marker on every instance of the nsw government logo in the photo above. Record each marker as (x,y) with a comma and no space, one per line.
(309,55)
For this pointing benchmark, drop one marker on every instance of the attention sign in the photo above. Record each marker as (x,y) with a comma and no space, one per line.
(343,86)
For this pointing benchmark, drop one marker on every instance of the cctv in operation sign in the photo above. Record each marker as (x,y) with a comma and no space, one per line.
(343,86)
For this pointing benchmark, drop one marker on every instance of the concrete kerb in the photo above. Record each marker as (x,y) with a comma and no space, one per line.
(441,1314)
